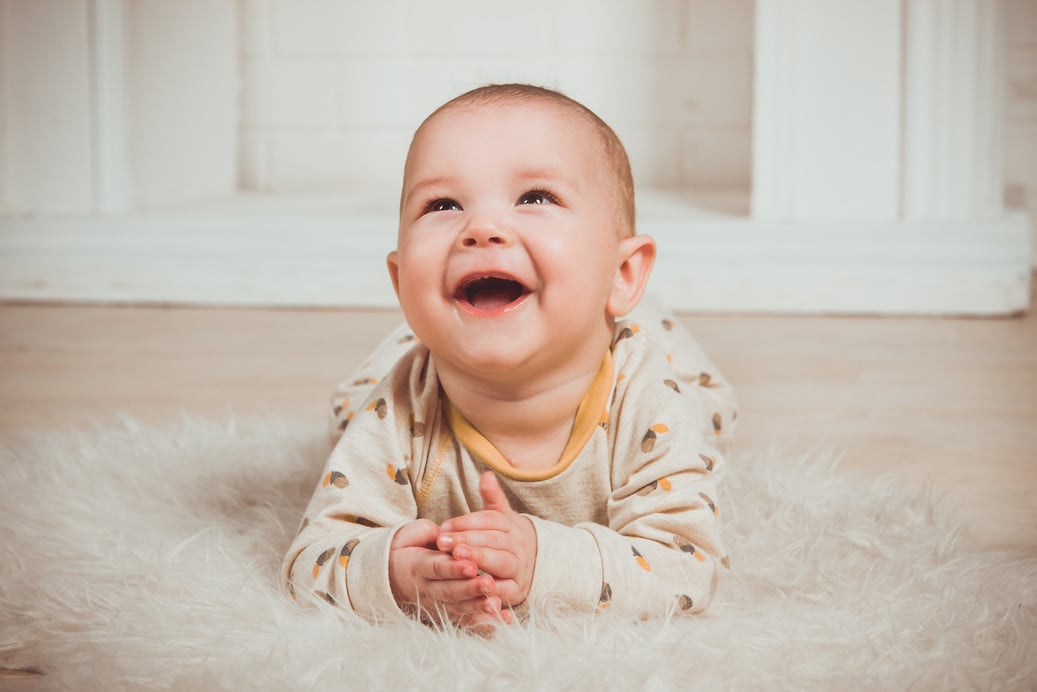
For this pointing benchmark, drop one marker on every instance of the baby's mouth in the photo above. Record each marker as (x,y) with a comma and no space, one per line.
(490,293)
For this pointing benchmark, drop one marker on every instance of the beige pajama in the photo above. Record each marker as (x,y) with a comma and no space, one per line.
(628,519)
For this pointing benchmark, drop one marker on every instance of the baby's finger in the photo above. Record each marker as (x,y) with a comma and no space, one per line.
(440,566)
(502,564)
(449,591)
(448,542)
(419,533)
(485,615)
(486,520)
(509,592)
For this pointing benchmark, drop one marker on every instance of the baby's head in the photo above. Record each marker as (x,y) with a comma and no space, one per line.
(614,162)
(516,247)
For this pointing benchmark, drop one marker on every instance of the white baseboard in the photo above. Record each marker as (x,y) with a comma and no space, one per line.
(707,263)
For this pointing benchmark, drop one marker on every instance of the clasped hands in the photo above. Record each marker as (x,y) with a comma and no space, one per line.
(470,569)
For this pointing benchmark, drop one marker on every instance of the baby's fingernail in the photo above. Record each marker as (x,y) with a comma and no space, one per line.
(470,571)
(446,541)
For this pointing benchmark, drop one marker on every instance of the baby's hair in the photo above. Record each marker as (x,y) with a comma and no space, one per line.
(622,180)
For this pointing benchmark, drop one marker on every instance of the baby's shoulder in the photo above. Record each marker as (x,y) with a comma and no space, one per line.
(384,403)
(639,346)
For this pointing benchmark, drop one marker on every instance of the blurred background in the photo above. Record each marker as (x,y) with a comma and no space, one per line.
(803,156)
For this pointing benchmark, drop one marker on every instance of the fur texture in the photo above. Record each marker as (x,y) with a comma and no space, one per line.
(147,559)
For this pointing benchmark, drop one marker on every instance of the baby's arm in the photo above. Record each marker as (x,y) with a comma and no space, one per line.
(660,549)
(361,546)
(361,525)
(351,393)
(693,369)
(656,554)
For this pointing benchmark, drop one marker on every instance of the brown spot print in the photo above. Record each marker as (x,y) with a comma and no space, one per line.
(685,545)
(354,519)
(321,559)
(684,602)
(704,379)
(627,332)
(406,338)
(397,475)
(337,479)
(339,408)
(718,423)
(648,441)
(417,427)
(641,560)
(605,600)
(364,380)
(326,596)
(603,422)
(345,420)
(662,483)
(347,550)
(672,385)
(712,505)
(668,325)
(291,591)
(378,407)
(710,462)
(726,562)
(669,357)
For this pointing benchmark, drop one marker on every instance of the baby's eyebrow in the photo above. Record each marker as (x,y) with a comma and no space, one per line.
(425,183)
(553,175)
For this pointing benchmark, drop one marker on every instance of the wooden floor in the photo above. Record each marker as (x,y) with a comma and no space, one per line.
(951,401)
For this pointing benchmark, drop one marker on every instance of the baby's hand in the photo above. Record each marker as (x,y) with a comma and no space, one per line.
(503,543)
(428,581)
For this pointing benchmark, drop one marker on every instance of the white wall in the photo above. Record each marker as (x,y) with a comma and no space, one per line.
(116,105)
(152,150)
(1021,110)
(46,137)
(333,89)
(182,100)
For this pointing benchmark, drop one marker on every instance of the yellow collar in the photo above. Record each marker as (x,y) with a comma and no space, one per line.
(589,414)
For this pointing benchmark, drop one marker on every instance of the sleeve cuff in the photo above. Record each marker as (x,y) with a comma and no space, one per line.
(366,577)
(568,565)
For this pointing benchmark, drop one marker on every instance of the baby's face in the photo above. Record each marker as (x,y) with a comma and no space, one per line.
(508,241)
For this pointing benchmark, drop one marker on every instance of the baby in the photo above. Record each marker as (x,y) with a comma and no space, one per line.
(525,443)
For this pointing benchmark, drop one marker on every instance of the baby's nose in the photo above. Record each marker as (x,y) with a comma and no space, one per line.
(477,234)
(472,240)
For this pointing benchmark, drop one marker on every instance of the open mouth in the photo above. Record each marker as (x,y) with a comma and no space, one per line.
(490,293)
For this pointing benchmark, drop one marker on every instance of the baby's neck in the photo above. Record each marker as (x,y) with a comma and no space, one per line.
(529,423)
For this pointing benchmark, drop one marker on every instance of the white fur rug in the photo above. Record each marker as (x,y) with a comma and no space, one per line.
(147,559)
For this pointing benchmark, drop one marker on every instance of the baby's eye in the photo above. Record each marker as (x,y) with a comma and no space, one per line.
(537,197)
(442,204)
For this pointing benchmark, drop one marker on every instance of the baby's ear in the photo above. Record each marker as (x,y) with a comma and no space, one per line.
(636,257)
(393,263)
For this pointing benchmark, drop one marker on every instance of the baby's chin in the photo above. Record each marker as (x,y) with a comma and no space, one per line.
(493,358)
